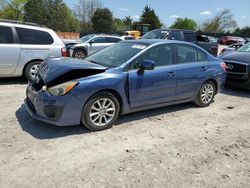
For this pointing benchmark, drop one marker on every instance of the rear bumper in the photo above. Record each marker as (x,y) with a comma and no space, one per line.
(60,111)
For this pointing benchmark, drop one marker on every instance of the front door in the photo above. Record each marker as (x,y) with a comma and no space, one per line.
(153,86)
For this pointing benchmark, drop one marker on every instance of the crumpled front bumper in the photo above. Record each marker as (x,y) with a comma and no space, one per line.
(57,110)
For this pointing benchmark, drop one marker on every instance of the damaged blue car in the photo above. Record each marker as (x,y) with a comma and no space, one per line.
(126,77)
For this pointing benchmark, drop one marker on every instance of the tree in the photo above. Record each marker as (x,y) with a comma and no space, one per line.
(244,32)
(221,22)
(128,22)
(84,9)
(53,13)
(119,24)
(102,21)
(12,9)
(185,23)
(149,17)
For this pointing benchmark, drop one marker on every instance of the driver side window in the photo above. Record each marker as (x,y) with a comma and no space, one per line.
(98,40)
(161,55)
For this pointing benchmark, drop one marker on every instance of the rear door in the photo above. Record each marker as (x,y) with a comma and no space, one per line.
(153,86)
(9,51)
(191,67)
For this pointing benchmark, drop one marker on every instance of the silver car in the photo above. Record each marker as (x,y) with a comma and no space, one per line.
(90,44)
(24,46)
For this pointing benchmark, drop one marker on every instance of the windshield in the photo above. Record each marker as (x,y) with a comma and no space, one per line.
(86,38)
(155,34)
(117,54)
(245,48)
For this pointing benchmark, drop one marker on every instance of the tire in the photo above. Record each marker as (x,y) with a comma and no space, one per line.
(79,54)
(206,94)
(31,70)
(97,118)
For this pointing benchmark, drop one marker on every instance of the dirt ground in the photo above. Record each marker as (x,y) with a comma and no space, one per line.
(177,146)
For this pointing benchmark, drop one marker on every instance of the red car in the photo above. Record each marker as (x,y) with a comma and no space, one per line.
(228,40)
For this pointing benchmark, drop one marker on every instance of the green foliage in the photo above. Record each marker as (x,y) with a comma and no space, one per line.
(222,22)
(119,24)
(149,17)
(128,22)
(102,21)
(12,9)
(245,31)
(185,23)
(53,13)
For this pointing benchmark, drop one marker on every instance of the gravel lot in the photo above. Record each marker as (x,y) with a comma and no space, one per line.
(177,146)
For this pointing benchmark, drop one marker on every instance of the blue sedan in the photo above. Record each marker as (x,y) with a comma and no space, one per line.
(126,77)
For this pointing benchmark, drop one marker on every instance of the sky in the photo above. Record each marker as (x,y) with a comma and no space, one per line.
(169,10)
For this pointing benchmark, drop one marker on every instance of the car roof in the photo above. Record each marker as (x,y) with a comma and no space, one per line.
(101,35)
(27,26)
(186,30)
(157,41)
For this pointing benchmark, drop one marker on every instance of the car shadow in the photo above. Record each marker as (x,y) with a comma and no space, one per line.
(237,92)
(43,131)
(13,81)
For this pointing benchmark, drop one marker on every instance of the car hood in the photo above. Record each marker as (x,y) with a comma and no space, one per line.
(54,71)
(243,57)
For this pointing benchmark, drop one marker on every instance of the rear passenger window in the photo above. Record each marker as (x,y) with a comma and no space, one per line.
(186,54)
(112,40)
(30,36)
(174,35)
(189,37)
(6,35)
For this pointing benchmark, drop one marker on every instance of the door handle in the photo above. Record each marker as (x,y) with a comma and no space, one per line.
(203,68)
(171,74)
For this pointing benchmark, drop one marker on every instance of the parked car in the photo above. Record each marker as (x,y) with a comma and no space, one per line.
(126,77)
(69,43)
(24,46)
(231,48)
(182,35)
(92,43)
(228,40)
(238,67)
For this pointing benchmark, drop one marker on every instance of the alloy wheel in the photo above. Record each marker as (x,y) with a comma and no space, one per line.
(207,93)
(33,70)
(102,112)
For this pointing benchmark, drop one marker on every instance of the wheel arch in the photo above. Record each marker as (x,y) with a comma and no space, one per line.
(31,61)
(81,48)
(214,82)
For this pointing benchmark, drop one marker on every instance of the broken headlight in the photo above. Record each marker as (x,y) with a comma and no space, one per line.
(62,89)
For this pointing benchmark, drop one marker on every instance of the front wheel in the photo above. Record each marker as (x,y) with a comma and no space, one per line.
(206,94)
(79,54)
(101,111)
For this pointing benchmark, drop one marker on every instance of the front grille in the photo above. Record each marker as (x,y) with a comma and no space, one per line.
(236,67)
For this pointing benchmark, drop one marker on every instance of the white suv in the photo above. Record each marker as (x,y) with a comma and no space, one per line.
(23,46)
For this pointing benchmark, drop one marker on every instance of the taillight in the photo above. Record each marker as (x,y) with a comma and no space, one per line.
(223,66)
(64,52)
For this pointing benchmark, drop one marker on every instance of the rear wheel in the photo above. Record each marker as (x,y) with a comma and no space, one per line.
(79,54)
(101,111)
(206,94)
(31,69)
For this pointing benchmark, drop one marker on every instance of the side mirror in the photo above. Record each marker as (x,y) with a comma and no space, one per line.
(91,42)
(147,65)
